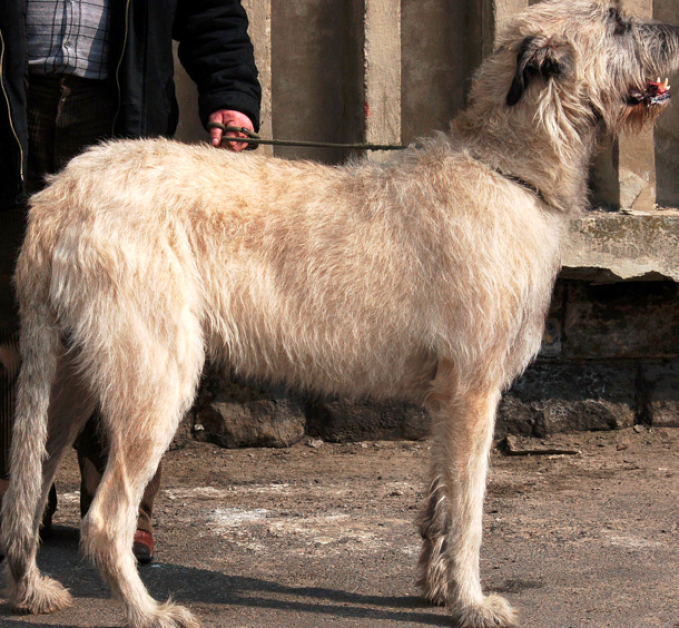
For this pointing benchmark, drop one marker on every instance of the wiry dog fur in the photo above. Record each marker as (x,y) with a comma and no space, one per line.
(425,277)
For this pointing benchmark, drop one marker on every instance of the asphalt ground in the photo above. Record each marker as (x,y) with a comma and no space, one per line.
(324,535)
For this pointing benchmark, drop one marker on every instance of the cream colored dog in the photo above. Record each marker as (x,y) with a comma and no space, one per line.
(426,277)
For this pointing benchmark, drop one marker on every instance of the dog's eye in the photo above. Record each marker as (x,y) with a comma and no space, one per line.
(621,26)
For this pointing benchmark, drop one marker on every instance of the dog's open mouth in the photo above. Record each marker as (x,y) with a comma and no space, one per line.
(654,93)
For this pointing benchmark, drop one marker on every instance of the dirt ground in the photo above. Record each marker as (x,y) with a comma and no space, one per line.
(324,535)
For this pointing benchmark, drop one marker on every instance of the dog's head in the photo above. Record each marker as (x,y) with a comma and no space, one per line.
(599,64)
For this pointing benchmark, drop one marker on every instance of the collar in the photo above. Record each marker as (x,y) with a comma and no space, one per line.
(522,183)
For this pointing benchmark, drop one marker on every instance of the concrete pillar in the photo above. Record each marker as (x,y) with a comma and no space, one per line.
(636,166)
(624,174)
(309,73)
(667,127)
(483,20)
(190,129)
(382,71)
(259,15)
(434,76)
(505,9)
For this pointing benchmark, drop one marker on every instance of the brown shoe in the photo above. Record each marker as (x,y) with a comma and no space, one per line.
(142,548)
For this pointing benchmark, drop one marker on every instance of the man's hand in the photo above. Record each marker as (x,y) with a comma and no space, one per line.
(229,118)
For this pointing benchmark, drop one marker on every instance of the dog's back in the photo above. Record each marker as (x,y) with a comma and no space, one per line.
(339,280)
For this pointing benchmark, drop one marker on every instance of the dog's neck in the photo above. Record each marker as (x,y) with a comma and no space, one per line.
(565,190)
(505,152)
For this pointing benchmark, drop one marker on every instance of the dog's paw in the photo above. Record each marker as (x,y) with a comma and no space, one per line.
(38,595)
(433,585)
(492,612)
(435,598)
(433,573)
(168,615)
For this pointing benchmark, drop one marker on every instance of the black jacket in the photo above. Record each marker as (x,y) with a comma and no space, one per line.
(214,47)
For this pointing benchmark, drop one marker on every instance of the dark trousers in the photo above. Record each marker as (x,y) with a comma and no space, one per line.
(65,114)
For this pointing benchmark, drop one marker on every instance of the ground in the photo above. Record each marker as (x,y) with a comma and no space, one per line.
(324,535)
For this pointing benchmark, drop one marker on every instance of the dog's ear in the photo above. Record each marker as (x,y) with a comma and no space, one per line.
(538,57)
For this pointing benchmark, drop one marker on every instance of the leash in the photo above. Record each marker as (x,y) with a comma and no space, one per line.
(253,140)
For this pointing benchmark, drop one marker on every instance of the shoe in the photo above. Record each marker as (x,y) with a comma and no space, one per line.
(142,548)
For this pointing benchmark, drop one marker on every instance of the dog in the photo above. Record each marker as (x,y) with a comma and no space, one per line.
(425,276)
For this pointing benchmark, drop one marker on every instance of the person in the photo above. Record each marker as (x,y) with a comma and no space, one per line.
(73,73)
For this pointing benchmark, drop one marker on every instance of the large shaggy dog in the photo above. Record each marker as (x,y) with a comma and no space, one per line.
(425,277)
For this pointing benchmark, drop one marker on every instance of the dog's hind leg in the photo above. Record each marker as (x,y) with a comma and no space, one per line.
(139,423)
(451,525)
(107,531)
(70,406)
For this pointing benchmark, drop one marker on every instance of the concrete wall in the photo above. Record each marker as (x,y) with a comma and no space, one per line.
(667,130)
(382,70)
(393,70)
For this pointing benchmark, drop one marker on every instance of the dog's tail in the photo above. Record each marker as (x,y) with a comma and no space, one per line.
(23,503)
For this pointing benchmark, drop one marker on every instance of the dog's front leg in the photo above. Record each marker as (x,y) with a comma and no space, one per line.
(451,525)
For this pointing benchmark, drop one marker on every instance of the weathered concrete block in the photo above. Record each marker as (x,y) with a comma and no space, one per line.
(623,320)
(664,412)
(184,433)
(583,416)
(540,418)
(610,246)
(551,340)
(232,415)
(516,417)
(552,398)
(337,420)
(661,394)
